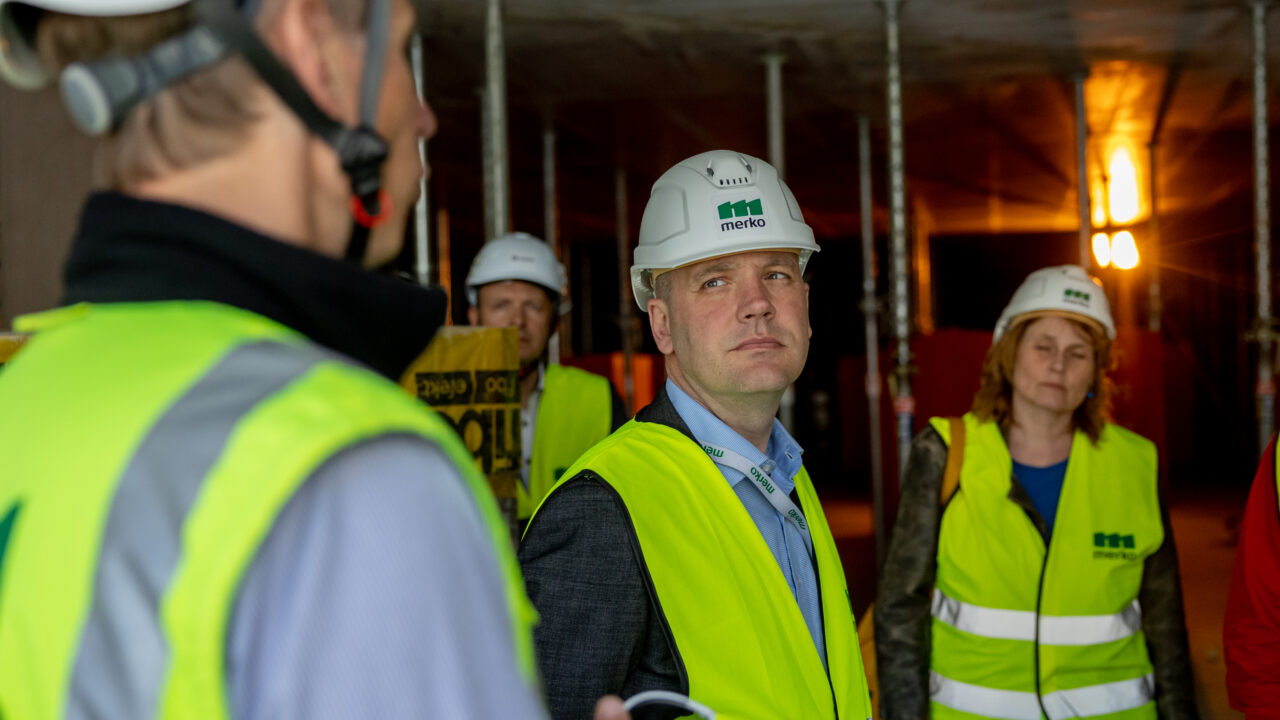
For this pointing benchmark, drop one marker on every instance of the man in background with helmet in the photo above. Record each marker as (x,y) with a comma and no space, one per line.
(516,281)
(212,504)
(687,552)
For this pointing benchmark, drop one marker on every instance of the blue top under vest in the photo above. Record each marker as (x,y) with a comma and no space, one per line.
(1044,485)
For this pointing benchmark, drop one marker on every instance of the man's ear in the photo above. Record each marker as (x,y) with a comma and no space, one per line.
(806,309)
(304,36)
(660,324)
(473,315)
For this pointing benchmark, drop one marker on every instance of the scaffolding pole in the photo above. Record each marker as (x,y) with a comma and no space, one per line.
(778,158)
(872,334)
(773,94)
(422,220)
(1154,300)
(497,176)
(550,230)
(1082,173)
(625,299)
(904,404)
(1263,330)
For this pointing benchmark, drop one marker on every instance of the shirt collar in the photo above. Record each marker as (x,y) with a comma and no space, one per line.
(783,459)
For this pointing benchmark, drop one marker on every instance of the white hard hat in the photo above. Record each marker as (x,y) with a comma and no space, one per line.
(717,203)
(1060,290)
(516,256)
(19,64)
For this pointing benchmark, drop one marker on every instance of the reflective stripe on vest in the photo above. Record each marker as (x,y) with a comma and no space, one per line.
(1012,705)
(123,654)
(146,486)
(574,413)
(1021,624)
(997,583)
(737,629)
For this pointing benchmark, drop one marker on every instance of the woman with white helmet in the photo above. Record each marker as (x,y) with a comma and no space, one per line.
(1032,570)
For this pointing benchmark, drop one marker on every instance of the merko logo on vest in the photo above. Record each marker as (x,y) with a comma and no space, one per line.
(745,214)
(1123,543)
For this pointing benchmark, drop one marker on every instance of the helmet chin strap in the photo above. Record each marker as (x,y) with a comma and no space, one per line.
(361,150)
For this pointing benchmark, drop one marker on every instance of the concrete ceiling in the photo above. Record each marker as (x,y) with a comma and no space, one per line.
(988,97)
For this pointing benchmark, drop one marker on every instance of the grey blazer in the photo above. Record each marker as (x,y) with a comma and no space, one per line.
(602,629)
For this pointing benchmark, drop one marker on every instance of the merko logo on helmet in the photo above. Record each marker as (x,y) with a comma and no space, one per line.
(749,209)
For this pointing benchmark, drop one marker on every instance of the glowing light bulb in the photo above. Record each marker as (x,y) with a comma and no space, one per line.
(1122,186)
(1102,249)
(1124,251)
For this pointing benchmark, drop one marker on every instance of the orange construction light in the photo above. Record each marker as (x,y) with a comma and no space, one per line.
(1102,249)
(1124,251)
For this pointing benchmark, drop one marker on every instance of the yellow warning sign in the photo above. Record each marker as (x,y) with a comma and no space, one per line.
(9,344)
(470,376)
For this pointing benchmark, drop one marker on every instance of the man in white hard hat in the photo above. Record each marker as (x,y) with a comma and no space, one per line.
(216,502)
(698,516)
(516,281)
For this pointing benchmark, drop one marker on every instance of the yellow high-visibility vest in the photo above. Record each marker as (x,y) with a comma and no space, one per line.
(737,628)
(1023,631)
(148,448)
(574,413)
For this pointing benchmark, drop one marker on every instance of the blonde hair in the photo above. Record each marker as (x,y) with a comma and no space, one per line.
(994,400)
(200,118)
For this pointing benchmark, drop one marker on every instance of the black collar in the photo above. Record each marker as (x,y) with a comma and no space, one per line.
(131,250)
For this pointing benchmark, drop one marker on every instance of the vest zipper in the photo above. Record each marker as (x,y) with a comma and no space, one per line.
(1038,523)
(1036,645)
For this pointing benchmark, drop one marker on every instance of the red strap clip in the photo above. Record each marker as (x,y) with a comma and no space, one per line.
(372,221)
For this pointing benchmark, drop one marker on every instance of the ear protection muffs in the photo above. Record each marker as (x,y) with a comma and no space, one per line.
(100,93)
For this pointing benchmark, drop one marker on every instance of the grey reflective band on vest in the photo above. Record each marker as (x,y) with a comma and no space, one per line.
(1021,624)
(123,655)
(1087,701)
(764,483)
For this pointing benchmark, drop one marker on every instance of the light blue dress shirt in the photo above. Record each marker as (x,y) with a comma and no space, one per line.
(377,594)
(781,462)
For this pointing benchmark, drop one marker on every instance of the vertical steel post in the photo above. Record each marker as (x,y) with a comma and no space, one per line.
(550,226)
(444,262)
(903,403)
(1154,300)
(550,230)
(625,298)
(773,96)
(422,233)
(587,314)
(1263,333)
(1082,174)
(872,334)
(778,158)
(497,174)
